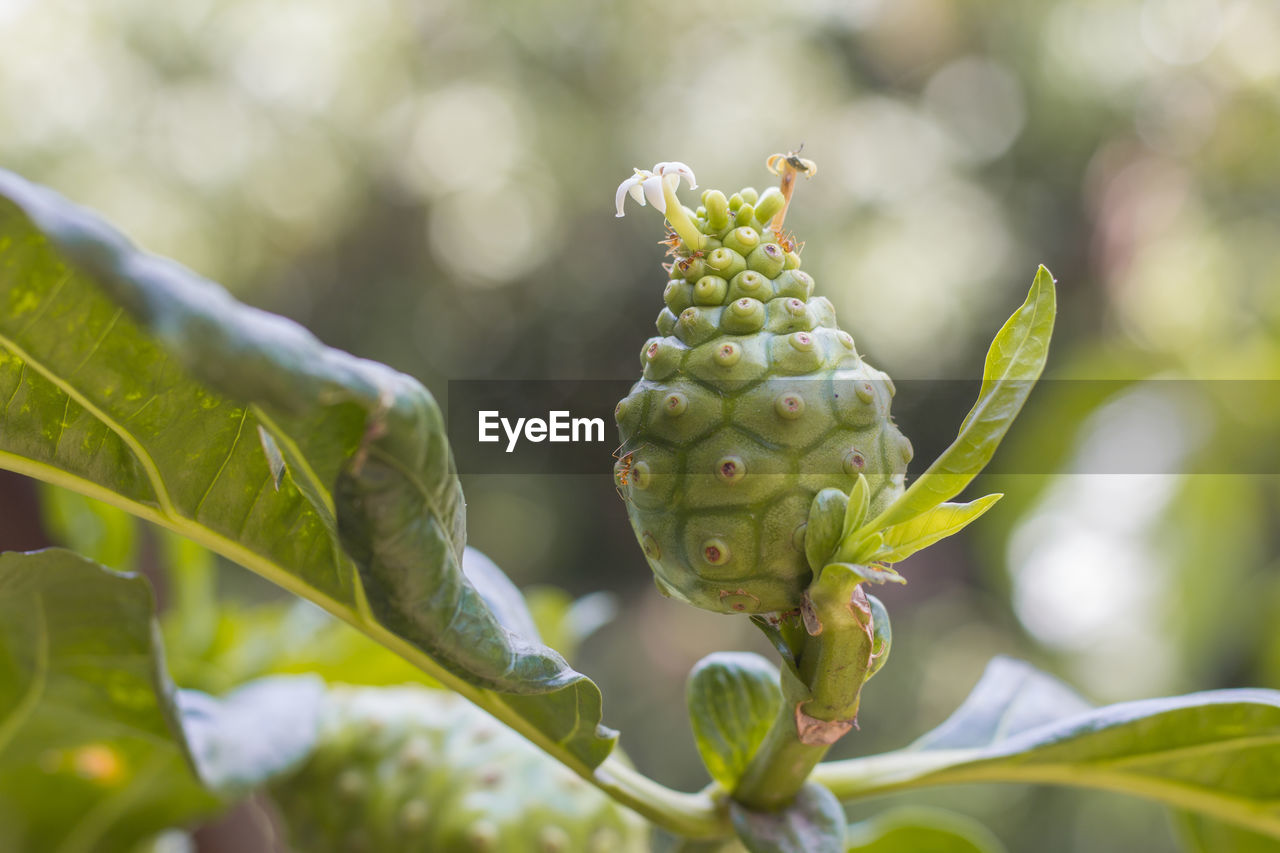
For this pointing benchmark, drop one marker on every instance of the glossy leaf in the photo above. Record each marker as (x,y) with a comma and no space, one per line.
(94,752)
(500,594)
(733,698)
(867,573)
(824,528)
(859,503)
(132,380)
(882,642)
(1014,363)
(565,622)
(1202,835)
(946,519)
(920,830)
(813,823)
(1215,753)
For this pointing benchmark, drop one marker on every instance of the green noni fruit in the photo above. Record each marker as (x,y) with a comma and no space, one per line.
(410,769)
(752,400)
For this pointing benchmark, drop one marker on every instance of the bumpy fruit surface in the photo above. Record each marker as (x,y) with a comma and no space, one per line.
(409,769)
(752,400)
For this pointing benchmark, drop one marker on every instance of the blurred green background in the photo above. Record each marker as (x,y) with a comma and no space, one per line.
(430,184)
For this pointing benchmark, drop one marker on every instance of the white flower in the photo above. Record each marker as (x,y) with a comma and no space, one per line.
(649,184)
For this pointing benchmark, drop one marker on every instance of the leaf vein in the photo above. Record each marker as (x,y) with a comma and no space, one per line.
(131,441)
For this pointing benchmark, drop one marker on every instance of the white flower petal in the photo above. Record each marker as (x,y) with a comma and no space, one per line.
(632,185)
(653,192)
(637,191)
(678,169)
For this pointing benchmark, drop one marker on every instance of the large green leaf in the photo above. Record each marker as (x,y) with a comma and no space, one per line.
(1014,363)
(920,830)
(96,751)
(1202,835)
(128,378)
(733,698)
(1215,753)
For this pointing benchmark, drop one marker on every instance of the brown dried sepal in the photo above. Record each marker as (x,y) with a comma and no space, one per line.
(815,732)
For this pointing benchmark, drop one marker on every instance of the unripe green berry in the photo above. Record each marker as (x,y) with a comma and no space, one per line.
(742,240)
(751,284)
(725,262)
(717,210)
(770,202)
(710,290)
(678,295)
(769,404)
(698,324)
(767,259)
(743,316)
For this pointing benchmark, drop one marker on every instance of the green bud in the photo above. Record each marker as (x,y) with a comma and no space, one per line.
(750,283)
(691,268)
(678,295)
(717,210)
(743,316)
(696,325)
(767,259)
(725,262)
(742,240)
(794,283)
(710,290)
(770,202)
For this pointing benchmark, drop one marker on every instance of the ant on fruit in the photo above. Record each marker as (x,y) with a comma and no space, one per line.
(787,240)
(624,471)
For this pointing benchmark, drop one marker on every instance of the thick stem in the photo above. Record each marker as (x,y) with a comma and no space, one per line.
(820,700)
(679,219)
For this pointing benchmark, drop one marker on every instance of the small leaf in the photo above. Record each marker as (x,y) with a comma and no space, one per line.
(733,698)
(883,640)
(920,830)
(868,573)
(859,503)
(1215,752)
(1014,363)
(942,521)
(501,595)
(860,547)
(826,522)
(813,823)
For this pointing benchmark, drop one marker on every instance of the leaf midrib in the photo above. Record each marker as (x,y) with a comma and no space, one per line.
(145,459)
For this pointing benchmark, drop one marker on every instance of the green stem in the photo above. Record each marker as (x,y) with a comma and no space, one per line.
(679,219)
(820,699)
